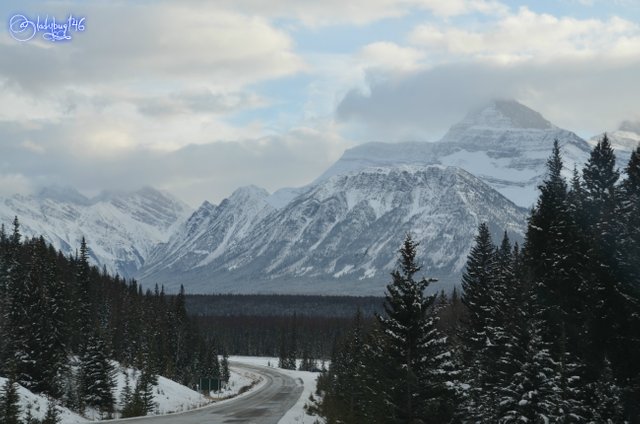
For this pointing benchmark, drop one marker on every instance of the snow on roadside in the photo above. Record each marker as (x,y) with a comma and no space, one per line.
(39,404)
(169,396)
(297,414)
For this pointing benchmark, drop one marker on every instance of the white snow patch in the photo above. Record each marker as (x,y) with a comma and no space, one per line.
(39,404)
(343,271)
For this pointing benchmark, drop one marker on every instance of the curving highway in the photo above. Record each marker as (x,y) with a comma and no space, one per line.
(264,405)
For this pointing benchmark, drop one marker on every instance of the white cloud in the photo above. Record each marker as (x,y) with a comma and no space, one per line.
(388,55)
(331,12)
(209,171)
(528,35)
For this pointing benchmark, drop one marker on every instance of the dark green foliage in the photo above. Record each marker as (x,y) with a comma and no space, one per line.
(349,386)
(51,306)
(9,403)
(140,402)
(52,416)
(607,397)
(288,351)
(547,334)
(399,375)
(96,376)
(224,368)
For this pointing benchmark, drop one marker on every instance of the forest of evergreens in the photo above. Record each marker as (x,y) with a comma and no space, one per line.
(63,322)
(544,333)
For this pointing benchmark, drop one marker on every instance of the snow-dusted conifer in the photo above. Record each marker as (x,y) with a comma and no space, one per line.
(10,402)
(418,357)
(96,376)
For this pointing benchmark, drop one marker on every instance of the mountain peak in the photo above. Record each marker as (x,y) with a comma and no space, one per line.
(506,114)
(65,194)
(249,192)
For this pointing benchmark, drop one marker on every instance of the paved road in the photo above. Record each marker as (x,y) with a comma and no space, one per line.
(265,405)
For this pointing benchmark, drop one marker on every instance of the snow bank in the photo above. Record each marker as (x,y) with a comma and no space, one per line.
(297,414)
(38,406)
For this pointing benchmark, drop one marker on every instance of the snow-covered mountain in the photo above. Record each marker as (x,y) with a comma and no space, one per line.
(121,228)
(624,140)
(211,231)
(339,236)
(504,143)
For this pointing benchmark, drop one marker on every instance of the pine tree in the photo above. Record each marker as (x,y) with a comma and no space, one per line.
(481,331)
(608,398)
(81,316)
(533,392)
(52,416)
(602,206)
(144,391)
(629,264)
(10,402)
(351,387)
(417,353)
(555,259)
(477,291)
(96,376)
(224,368)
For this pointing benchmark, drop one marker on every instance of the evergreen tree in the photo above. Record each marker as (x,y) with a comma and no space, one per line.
(96,376)
(533,392)
(224,368)
(81,316)
(629,266)
(477,291)
(481,330)
(350,388)
(10,403)
(602,206)
(52,416)
(418,359)
(608,398)
(553,257)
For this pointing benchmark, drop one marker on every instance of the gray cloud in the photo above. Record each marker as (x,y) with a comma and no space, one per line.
(135,42)
(194,173)
(587,97)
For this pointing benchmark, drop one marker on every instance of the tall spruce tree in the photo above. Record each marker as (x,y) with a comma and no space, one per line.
(629,262)
(481,331)
(97,376)
(348,387)
(417,353)
(611,303)
(81,314)
(556,262)
(10,402)
(532,392)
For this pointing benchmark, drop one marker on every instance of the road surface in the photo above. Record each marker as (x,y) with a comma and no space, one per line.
(265,405)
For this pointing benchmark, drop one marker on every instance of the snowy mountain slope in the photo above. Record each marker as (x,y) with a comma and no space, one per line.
(121,228)
(210,231)
(342,235)
(504,143)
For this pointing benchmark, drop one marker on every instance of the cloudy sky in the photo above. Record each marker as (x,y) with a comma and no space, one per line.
(200,97)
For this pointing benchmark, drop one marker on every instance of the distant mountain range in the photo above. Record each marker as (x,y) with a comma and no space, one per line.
(121,229)
(339,234)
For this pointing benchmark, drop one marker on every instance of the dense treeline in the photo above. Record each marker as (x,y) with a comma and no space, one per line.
(63,321)
(546,333)
(281,305)
(257,325)
(262,335)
